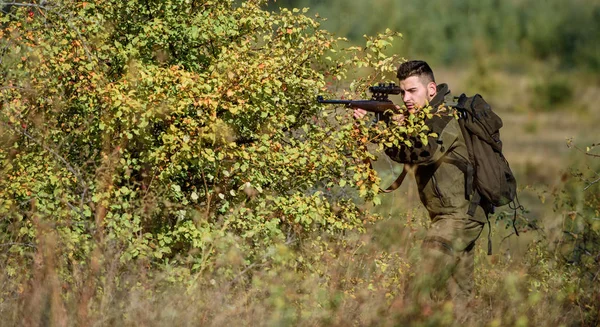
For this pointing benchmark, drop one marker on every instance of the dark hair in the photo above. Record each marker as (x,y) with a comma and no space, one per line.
(415,68)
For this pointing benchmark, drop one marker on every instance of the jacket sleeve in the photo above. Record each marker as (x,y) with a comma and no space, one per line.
(448,132)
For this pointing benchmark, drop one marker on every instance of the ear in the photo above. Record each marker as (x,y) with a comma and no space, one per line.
(431,89)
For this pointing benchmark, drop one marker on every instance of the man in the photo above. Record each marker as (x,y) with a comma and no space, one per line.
(441,170)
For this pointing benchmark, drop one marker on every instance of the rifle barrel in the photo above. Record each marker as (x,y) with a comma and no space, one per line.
(344,102)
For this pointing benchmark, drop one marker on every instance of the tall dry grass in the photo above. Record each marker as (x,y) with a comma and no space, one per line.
(355,282)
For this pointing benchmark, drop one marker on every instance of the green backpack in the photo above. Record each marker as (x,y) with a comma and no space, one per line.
(492,177)
(489,173)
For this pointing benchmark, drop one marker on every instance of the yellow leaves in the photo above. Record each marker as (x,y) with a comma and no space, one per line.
(186,120)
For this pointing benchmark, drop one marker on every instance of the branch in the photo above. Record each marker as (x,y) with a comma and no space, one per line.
(506,237)
(24,4)
(570,144)
(591,183)
(69,167)
(15,243)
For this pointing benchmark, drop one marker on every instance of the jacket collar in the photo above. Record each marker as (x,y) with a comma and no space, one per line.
(442,92)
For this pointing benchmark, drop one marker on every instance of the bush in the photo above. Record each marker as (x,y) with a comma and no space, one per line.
(178,136)
(552,93)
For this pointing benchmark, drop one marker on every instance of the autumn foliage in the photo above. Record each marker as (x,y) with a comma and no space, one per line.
(154,150)
(171,132)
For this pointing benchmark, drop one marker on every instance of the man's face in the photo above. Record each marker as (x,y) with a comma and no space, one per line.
(416,93)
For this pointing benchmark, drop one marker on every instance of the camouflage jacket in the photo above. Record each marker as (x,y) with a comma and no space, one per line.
(440,165)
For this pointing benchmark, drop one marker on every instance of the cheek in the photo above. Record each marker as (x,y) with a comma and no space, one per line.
(421,98)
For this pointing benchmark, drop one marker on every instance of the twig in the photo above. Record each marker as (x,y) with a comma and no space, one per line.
(208,197)
(11,87)
(507,236)
(70,168)
(149,185)
(25,4)
(570,144)
(246,270)
(16,243)
(78,210)
(591,183)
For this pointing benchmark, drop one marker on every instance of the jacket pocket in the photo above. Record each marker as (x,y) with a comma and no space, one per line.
(437,191)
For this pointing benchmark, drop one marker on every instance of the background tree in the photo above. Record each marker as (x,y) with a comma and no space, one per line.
(453,32)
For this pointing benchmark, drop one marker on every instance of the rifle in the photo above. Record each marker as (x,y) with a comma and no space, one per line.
(379,102)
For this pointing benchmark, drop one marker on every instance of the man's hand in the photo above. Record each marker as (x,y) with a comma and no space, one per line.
(359,113)
(398,118)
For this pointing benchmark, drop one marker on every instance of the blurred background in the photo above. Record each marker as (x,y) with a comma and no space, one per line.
(461,32)
(536,62)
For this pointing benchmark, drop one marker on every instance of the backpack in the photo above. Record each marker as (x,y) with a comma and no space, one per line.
(492,178)
(487,171)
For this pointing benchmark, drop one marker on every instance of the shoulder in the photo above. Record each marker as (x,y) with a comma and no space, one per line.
(440,123)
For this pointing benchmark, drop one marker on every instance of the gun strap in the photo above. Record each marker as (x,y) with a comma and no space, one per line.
(397,182)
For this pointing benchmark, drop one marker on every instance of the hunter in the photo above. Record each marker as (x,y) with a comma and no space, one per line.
(446,265)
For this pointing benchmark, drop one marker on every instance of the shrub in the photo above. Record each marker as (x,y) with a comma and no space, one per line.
(171,133)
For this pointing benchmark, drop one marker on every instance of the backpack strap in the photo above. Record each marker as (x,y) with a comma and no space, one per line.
(476,199)
(467,169)
(472,207)
(487,216)
(461,122)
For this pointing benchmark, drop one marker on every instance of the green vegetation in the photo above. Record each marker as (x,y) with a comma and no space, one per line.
(451,32)
(166,163)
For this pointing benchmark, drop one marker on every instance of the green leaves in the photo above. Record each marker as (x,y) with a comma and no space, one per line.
(163,126)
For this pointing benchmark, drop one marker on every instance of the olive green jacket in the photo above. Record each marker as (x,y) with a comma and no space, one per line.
(440,180)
